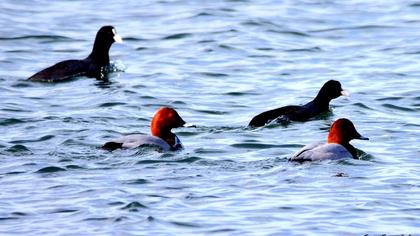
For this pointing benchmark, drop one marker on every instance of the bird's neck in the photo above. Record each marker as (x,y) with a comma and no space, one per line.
(322,101)
(351,149)
(100,53)
(336,137)
(166,135)
(333,138)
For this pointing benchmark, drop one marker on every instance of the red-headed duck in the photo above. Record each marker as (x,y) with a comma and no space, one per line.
(91,66)
(337,147)
(164,120)
(330,90)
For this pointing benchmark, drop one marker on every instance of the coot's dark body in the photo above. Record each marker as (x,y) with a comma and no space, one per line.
(330,90)
(92,66)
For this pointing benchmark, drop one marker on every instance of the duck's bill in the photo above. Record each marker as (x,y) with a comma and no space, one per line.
(188,125)
(363,138)
(345,93)
(117,38)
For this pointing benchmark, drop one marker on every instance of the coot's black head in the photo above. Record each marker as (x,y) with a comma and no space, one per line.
(330,90)
(105,37)
(108,35)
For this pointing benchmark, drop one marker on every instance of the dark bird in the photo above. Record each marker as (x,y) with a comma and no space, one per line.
(92,66)
(330,90)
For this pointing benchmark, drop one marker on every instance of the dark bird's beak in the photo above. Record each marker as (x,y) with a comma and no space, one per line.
(117,38)
(345,93)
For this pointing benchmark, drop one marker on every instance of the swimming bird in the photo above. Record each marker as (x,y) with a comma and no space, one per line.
(342,131)
(330,90)
(163,121)
(92,66)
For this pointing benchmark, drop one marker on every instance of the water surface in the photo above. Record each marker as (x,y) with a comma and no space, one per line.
(218,63)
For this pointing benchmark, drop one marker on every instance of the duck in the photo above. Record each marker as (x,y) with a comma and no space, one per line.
(92,66)
(163,122)
(338,145)
(330,90)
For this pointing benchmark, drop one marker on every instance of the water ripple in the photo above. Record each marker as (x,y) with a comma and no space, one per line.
(19,149)
(43,138)
(11,121)
(352,28)
(133,206)
(49,37)
(177,36)
(50,169)
(185,160)
(400,108)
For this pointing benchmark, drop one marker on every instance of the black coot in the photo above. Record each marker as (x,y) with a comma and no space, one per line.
(91,66)
(330,90)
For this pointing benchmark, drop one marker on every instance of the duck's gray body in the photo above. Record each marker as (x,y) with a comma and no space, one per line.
(138,140)
(321,151)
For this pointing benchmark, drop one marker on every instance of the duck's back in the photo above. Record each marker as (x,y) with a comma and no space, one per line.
(137,140)
(321,151)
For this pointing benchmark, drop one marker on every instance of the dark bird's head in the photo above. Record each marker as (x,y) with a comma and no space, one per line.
(108,35)
(330,90)
(105,37)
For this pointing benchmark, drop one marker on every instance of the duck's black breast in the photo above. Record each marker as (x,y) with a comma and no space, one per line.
(111,146)
(65,70)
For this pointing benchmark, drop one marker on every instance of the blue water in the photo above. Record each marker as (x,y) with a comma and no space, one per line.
(218,63)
